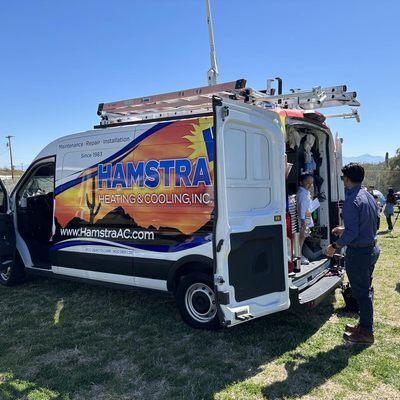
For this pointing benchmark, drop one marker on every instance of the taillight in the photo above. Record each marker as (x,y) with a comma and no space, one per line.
(289,242)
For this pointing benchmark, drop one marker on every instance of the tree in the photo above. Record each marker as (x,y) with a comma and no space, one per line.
(384,175)
(394,168)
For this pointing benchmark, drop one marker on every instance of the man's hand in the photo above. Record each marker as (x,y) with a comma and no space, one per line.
(330,251)
(338,231)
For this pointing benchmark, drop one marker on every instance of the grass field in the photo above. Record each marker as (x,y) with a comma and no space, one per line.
(64,340)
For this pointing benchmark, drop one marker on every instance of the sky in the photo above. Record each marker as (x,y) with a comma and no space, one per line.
(59,59)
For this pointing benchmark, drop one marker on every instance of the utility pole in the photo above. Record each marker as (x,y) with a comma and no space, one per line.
(11,159)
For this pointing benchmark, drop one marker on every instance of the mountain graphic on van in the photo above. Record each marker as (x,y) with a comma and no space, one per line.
(118,216)
(75,222)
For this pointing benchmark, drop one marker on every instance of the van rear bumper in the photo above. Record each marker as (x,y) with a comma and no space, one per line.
(313,295)
(310,273)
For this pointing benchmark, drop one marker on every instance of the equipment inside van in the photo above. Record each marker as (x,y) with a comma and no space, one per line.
(191,192)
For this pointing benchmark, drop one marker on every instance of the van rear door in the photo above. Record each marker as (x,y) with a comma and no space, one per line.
(250,246)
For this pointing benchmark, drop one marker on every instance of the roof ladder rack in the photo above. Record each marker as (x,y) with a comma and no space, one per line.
(318,97)
(198,101)
(167,104)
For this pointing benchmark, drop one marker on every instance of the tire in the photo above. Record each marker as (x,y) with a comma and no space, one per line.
(14,274)
(196,300)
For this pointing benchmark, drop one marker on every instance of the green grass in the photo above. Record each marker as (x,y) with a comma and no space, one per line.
(64,340)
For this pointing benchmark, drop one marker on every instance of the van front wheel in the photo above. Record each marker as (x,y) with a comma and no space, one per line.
(13,273)
(197,302)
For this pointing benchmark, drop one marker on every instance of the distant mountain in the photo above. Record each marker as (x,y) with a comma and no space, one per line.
(364,159)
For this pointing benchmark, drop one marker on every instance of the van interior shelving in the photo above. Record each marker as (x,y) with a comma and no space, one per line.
(296,157)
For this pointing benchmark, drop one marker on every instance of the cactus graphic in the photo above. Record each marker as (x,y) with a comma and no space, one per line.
(92,204)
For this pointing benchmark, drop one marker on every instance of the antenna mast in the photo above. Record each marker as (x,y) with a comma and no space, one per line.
(212,74)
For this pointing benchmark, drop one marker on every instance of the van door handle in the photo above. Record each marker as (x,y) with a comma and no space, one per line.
(219,245)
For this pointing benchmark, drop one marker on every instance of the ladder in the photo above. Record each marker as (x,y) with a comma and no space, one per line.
(317,97)
(198,101)
(183,102)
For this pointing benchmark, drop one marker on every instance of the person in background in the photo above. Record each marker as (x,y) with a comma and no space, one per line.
(389,208)
(303,206)
(379,205)
(360,213)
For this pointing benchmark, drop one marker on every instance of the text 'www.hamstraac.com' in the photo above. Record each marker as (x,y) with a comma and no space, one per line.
(106,233)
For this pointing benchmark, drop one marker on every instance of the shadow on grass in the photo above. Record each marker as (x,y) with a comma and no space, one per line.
(308,374)
(345,312)
(134,345)
(380,233)
(398,287)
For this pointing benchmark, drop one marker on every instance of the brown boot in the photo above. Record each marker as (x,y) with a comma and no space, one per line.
(352,328)
(361,336)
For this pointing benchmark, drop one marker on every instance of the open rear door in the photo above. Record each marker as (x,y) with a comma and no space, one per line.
(7,236)
(250,245)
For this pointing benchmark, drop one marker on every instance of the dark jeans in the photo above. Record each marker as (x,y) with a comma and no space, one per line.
(389,222)
(360,264)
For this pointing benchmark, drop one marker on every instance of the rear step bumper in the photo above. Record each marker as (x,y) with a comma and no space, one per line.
(310,273)
(317,292)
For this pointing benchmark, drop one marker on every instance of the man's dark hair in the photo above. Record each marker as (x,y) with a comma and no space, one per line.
(354,171)
(304,176)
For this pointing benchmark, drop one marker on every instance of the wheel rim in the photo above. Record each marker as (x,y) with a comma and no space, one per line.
(200,302)
(5,275)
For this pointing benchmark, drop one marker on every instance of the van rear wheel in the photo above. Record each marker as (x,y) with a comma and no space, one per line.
(197,302)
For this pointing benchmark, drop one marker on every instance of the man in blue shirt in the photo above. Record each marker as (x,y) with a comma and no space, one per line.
(358,235)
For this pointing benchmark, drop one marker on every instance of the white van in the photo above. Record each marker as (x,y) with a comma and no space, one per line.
(197,201)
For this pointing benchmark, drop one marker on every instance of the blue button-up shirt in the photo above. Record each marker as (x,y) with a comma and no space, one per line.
(360,214)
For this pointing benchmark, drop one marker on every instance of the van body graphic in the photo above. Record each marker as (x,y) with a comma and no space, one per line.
(161,183)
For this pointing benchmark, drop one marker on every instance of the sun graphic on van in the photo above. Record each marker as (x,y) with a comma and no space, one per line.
(201,138)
